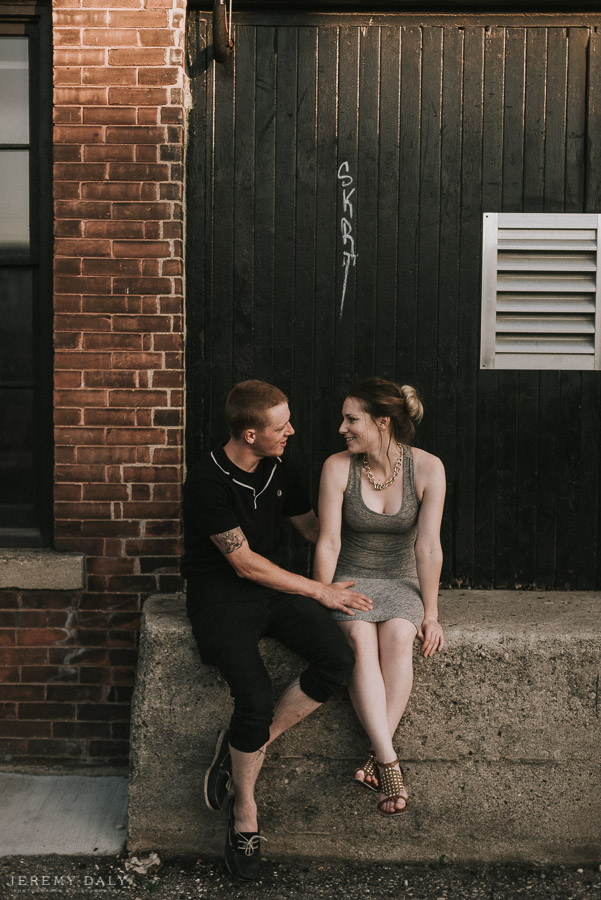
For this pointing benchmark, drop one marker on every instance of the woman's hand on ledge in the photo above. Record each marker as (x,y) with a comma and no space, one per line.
(431,636)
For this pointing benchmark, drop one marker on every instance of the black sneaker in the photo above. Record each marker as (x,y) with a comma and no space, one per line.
(242,854)
(219,774)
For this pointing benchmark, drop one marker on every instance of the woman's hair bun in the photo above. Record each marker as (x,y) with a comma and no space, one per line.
(415,410)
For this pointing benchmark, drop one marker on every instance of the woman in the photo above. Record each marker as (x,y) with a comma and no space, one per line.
(380,509)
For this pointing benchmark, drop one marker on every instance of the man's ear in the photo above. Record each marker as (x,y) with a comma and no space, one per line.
(249,435)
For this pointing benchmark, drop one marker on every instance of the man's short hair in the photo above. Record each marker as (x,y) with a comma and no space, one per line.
(247,405)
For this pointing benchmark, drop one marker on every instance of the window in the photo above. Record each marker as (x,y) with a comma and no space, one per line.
(541,291)
(25,293)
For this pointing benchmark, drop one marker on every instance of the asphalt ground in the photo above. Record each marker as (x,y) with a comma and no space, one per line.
(75,878)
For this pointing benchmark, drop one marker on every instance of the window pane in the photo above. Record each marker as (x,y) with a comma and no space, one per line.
(16,446)
(14,199)
(16,347)
(14,91)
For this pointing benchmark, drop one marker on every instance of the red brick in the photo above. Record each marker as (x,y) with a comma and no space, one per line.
(136,135)
(118,528)
(144,418)
(130,230)
(147,153)
(131,267)
(67,190)
(109,748)
(143,323)
(82,360)
(66,37)
(67,491)
(172,230)
(171,379)
(136,56)
(71,284)
(80,656)
(156,38)
(136,399)
(151,510)
(167,341)
(9,600)
(79,171)
(43,674)
(105,492)
(67,115)
(109,37)
(167,456)
(49,748)
(80,473)
(110,153)
(12,747)
(9,674)
(147,115)
(172,115)
(80,96)
(136,96)
(82,247)
(143,211)
(109,417)
(110,303)
(78,19)
(82,510)
(79,57)
(67,266)
(145,547)
(80,398)
(68,227)
(158,76)
(109,190)
(132,436)
(112,342)
(111,566)
(110,379)
(67,417)
(110,115)
(162,528)
(19,656)
(79,436)
(137,360)
(8,711)
(23,692)
(77,134)
(82,209)
(108,75)
(67,75)
(167,491)
(172,267)
(81,730)
(49,600)
(7,638)
(113,4)
(105,455)
(139,172)
(139,19)
(26,729)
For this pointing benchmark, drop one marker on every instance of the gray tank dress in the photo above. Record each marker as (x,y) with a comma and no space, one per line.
(378,551)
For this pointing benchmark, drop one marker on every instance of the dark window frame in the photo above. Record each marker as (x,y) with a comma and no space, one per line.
(31,525)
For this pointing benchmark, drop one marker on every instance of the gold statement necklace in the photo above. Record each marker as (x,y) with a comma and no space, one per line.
(379,486)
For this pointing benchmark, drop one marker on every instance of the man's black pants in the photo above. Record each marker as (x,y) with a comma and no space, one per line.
(228,636)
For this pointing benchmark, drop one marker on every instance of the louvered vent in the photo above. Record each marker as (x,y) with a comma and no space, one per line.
(540,280)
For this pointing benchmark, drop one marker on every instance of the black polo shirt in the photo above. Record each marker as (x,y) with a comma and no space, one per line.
(218,497)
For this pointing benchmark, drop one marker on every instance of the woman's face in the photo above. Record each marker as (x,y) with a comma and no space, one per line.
(358,429)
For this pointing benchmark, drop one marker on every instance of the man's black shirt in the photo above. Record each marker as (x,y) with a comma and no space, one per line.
(218,497)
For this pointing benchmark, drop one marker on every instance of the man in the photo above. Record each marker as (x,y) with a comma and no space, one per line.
(235,502)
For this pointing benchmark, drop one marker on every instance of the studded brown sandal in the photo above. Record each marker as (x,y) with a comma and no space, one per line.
(393,785)
(368,768)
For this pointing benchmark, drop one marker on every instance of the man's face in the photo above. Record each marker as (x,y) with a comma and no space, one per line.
(271,440)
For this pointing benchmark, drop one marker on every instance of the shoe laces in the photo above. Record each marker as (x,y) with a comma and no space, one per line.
(249,845)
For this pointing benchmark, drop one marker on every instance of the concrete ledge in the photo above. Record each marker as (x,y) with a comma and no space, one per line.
(500,744)
(41,570)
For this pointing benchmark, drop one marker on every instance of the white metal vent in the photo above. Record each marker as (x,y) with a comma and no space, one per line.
(541,291)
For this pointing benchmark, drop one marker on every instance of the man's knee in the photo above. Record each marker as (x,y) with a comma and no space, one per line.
(328,672)
(252,717)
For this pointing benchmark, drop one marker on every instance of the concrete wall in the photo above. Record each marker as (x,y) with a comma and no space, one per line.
(499,744)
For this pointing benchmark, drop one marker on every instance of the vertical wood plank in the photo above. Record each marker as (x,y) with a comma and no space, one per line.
(409,200)
(444,412)
(243,190)
(386,274)
(469,307)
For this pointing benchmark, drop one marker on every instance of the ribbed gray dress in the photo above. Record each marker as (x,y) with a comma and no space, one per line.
(378,551)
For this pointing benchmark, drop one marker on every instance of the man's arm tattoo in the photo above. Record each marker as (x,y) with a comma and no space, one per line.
(228,541)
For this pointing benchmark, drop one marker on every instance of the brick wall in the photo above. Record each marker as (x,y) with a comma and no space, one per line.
(68,659)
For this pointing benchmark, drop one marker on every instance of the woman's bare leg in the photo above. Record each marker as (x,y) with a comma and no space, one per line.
(368,692)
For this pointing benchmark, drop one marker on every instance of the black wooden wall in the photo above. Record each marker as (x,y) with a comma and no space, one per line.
(437,123)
